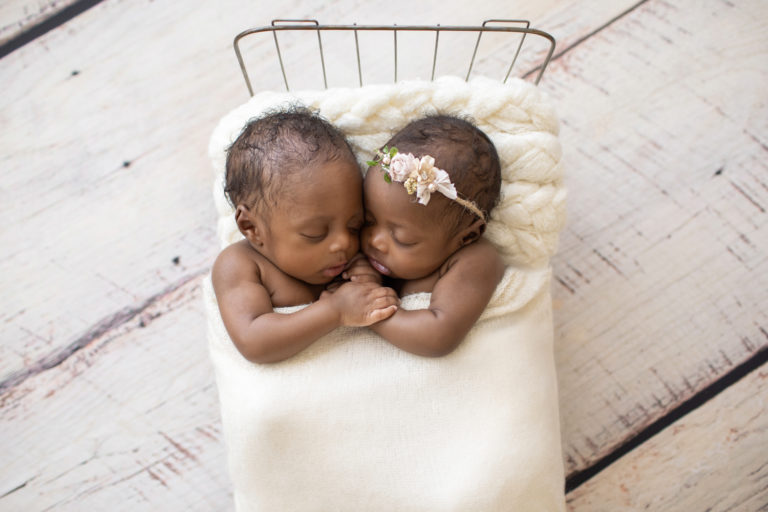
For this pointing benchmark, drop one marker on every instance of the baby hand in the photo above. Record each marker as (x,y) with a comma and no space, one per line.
(361,304)
(361,271)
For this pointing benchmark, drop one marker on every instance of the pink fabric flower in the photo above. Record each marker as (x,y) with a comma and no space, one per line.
(419,176)
(402,165)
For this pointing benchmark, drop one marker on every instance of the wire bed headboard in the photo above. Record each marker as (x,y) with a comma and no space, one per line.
(512,27)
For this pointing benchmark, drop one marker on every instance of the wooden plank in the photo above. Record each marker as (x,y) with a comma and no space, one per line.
(116,176)
(712,459)
(17,16)
(126,424)
(661,276)
(90,131)
(105,196)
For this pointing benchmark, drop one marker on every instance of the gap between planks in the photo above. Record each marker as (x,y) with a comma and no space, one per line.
(758,359)
(46,25)
(580,40)
(101,329)
(709,460)
(119,318)
(126,314)
(576,479)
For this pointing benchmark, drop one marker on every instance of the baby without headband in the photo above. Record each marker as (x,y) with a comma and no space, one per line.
(419,176)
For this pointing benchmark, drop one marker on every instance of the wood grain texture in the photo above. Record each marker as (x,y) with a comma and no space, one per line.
(712,459)
(17,16)
(661,275)
(105,195)
(106,183)
(125,424)
(106,199)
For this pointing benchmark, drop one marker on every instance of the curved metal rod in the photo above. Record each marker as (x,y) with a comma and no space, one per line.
(394,32)
(519,46)
(359,68)
(300,25)
(434,57)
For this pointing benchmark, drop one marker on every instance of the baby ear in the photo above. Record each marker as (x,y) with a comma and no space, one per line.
(246,223)
(472,233)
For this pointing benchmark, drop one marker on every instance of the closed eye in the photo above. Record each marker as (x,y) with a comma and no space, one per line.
(356,227)
(313,237)
(403,243)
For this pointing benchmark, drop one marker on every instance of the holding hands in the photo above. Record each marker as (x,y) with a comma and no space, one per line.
(361,300)
(360,270)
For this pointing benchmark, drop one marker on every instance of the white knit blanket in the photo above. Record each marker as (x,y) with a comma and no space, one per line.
(353,423)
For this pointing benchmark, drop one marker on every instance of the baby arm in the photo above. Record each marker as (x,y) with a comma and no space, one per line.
(263,336)
(458,299)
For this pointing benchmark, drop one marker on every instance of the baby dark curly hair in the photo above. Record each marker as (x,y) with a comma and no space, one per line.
(461,149)
(272,150)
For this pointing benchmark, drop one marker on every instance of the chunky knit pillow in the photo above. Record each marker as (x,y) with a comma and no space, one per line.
(516,116)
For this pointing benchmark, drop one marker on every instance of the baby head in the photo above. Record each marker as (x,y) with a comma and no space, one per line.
(296,189)
(405,238)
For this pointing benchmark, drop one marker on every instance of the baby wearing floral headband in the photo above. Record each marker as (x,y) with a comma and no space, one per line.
(427,195)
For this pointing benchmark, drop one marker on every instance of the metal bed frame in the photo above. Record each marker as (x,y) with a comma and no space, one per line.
(288,25)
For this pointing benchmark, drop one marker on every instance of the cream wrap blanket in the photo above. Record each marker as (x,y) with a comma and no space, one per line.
(353,423)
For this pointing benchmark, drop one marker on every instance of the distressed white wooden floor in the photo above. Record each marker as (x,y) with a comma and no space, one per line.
(107,397)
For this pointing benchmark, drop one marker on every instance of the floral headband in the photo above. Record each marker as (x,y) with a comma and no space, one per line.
(419,176)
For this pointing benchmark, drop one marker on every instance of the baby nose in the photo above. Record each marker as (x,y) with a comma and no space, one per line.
(342,241)
(375,238)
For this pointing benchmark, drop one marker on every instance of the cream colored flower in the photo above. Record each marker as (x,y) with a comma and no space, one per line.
(426,163)
(438,181)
